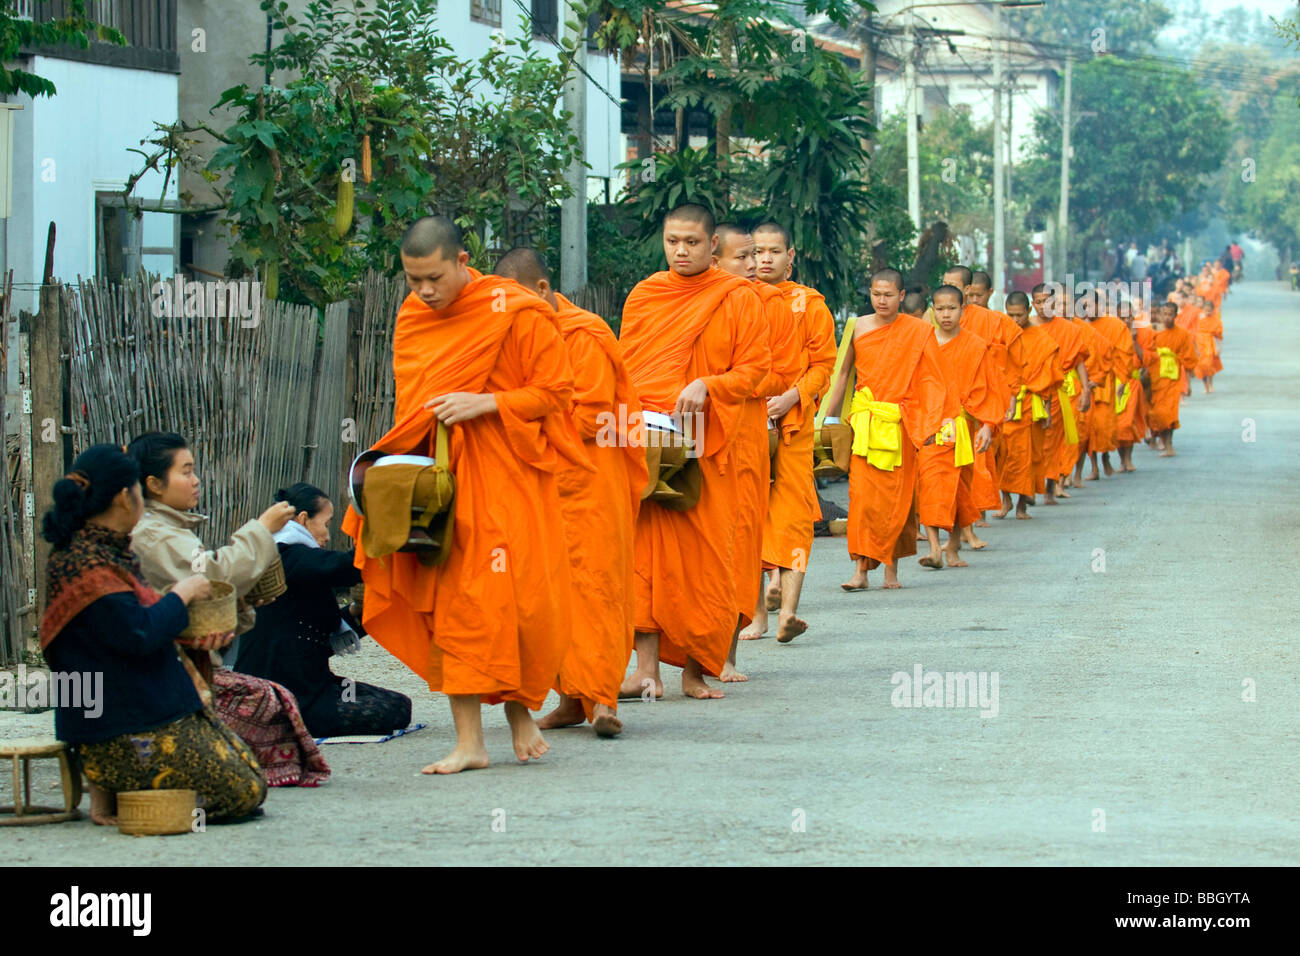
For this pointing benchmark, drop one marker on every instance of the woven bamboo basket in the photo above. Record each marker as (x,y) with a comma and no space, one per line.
(269,586)
(216,615)
(155,812)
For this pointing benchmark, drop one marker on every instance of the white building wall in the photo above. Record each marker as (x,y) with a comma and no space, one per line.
(72,145)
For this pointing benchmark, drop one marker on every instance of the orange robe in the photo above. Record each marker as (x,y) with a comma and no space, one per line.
(753,464)
(792,505)
(1103,420)
(944,495)
(494,619)
(1072,348)
(1166,393)
(1003,336)
(900,364)
(599,511)
(1096,427)
(1206,329)
(677,329)
(1025,462)
(1132,422)
(1219,286)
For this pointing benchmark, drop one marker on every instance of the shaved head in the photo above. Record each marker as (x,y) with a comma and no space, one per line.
(981,279)
(776,227)
(430,235)
(1018,298)
(692,213)
(523,265)
(913,304)
(727,231)
(960,273)
(892,276)
(949,290)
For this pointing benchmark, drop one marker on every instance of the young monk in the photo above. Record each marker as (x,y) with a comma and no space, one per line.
(1026,461)
(1207,330)
(734,253)
(1105,431)
(947,465)
(898,405)
(490,624)
(1074,394)
(1096,426)
(599,510)
(1173,353)
(1002,336)
(694,343)
(792,506)
(1130,406)
(914,305)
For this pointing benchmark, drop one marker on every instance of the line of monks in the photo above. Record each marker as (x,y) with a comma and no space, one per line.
(563,566)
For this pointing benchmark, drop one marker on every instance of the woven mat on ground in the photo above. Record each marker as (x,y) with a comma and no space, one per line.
(370,738)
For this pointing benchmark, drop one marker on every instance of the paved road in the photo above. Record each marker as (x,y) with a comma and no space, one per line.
(1120,701)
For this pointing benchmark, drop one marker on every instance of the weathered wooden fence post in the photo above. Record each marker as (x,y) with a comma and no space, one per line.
(50,418)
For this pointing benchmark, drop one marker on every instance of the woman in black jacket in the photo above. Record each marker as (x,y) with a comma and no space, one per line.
(297,633)
(148,727)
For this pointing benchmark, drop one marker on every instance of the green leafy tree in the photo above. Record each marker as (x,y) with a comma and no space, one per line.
(1143,150)
(74,28)
(1123,24)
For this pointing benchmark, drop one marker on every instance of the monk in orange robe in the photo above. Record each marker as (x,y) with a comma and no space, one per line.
(1104,433)
(792,499)
(1097,426)
(1026,461)
(1075,391)
(1173,354)
(599,510)
(945,498)
(1221,278)
(695,346)
(734,253)
(898,405)
(1002,336)
(1207,331)
(490,624)
(1130,409)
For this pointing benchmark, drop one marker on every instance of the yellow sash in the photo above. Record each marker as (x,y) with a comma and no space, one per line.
(1038,408)
(1073,385)
(957,434)
(1067,413)
(877,430)
(1168,363)
(1122,392)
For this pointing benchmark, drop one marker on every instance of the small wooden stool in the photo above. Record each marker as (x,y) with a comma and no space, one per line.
(22,813)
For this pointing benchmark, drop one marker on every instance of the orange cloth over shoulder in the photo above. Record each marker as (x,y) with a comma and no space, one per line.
(1206,331)
(792,498)
(600,510)
(1003,336)
(494,619)
(676,329)
(900,364)
(942,496)
(1166,393)
(1072,348)
(1025,462)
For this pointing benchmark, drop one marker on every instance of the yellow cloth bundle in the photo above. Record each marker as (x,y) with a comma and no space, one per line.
(1168,363)
(957,434)
(877,430)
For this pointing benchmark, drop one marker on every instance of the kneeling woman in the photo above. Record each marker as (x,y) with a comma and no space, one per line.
(167,541)
(295,636)
(151,730)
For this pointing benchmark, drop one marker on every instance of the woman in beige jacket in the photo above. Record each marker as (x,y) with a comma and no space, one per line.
(167,541)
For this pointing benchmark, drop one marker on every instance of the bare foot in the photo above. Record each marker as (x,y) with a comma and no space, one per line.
(605,722)
(568,714)
(929,561)
(772,599)
(460,759)
(693,685)
(103,806)
(1167,453)
(968,536)
(637,685)
(856,583)
(981,524)
(891,578)
(756,629)
(1130,467)
(1062,494)
(1094,476)
(1002,512)
(1107,468)
(528,740)
(729,674)
(790,628)
(1050,500)
(954,560)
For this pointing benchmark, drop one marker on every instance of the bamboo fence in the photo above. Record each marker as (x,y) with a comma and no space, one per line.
(13,576)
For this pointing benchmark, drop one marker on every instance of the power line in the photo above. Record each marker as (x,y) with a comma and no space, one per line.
(565,53)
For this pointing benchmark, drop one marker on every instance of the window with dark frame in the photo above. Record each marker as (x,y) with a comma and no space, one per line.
(546,18)
(486,11)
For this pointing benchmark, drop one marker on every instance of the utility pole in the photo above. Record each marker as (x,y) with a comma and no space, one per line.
(913,147)
(1063,217)
(869,69)
(999,213)
(573,210)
